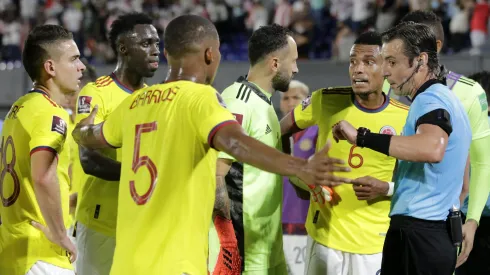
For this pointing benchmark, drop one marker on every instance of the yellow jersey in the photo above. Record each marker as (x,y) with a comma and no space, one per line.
(167,177)
(97,199)
(34,123)
(352,226)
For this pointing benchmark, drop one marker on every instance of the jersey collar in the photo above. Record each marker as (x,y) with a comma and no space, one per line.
(368,110)
(256,89)
(426,85)
(41,91)
(120,84)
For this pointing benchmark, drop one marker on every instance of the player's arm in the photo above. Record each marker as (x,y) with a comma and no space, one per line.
(479,188)
(47,140)
(466,182)
(93,162)
(98,165)
(301,117)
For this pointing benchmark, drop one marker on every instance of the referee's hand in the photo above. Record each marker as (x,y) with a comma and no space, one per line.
(318,170)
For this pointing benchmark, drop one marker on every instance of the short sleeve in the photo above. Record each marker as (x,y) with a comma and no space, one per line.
(242,114)
(303,115)
(88,97)
(49,131)
(428,102)
(208,114)
(112,131)
(478,114)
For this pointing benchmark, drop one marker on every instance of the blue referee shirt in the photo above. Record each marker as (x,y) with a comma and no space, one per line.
(428,190)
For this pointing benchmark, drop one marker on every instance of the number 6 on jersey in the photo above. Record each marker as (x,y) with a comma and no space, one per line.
(139,161)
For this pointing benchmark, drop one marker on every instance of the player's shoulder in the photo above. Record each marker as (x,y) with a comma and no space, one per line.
(39,102)
(463,86)
(338,90)
(103,84)
(397,105)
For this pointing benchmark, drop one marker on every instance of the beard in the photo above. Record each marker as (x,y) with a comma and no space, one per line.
(280,82)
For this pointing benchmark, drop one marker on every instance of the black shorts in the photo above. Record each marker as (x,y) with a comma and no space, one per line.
(418,247)
(478,262)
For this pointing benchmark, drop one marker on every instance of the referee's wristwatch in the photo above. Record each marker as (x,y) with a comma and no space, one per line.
(361,136)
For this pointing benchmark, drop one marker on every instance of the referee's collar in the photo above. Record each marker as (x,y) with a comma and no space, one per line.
(426,85)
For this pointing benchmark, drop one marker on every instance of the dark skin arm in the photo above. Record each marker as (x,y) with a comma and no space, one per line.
(232,140)
(222,201)
(287,125)
(98,165)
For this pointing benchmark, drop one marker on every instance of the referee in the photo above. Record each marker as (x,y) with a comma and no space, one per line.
(431,155)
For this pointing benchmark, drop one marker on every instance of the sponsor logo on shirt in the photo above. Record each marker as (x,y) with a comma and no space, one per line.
(306,102)
(58,125)
(238,117)
(84,104)
(387,130)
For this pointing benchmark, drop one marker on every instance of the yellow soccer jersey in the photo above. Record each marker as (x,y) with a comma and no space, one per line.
(352,226)
(97,198)
(167,177)
(34,123)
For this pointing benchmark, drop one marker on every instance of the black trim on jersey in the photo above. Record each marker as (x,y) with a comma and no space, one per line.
(426,85)
(467,81)
(253,88)
(234,185)
(438,117)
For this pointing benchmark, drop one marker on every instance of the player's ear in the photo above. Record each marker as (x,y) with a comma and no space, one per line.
(49,67)
(121,48)
(208,55)
(274,63)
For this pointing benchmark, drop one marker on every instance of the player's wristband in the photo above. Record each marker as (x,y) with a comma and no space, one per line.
(391,189)
(224,228)
(377,142)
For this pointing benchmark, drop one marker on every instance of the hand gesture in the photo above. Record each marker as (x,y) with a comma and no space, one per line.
(369,188)
(90,119)
(62,241)
(318,170)
(469,229)
(343,130)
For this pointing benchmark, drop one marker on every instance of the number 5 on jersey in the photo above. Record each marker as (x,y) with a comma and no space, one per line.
(140,161)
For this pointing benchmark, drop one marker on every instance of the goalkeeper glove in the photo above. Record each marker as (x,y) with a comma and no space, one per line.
(229,262)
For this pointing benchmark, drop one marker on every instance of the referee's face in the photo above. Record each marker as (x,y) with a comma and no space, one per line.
(396,67)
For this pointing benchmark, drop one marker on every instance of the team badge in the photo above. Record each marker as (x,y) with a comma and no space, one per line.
(306,102)
(305,144)
(58,125)
(84,104)
(220,100)
(239,118)
(388,130)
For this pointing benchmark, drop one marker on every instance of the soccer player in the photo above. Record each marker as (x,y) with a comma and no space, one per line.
(431,155)
(346,237)
(136,43)
(477,263)
(167,133)
(34,180)
(473,98)
(254,196)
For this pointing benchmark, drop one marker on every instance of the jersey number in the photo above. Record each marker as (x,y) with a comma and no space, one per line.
(359,161)
(8,168)
(139,161)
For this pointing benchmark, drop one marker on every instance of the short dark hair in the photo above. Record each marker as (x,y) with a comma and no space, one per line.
(184,32)
(483,78)
(369,38)
(35,53)
(428,18)
(125,24)
(417,38)
(266,40)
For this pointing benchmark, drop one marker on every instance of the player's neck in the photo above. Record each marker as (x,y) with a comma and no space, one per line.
(128,78)
(53,91)
(372,100)
(185,71)
(419,82)
(261,80)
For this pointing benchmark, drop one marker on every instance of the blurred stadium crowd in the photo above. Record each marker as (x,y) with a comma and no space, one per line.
(321,27)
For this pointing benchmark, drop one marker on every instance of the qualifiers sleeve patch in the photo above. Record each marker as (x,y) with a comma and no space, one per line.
(238,117)
(58,125)
(220,100)
(84,104)
(306,102)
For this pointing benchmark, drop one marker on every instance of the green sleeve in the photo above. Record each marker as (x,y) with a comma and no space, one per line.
(479,178)
(242,113)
